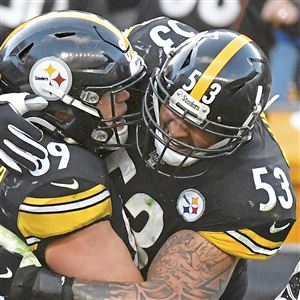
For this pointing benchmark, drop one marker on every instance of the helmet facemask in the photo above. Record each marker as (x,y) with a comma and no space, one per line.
(219,117)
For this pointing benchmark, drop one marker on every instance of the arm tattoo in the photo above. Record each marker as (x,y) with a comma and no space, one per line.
(186,267)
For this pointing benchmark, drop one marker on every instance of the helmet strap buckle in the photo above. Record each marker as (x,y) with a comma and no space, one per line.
(99,135)
(89,97)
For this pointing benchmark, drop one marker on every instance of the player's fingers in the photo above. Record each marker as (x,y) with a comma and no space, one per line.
(26,143)
(29,129)
(9,163)
(20,156)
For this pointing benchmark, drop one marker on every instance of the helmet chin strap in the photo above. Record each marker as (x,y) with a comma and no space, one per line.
(271,101)
(45,124)
(67,99)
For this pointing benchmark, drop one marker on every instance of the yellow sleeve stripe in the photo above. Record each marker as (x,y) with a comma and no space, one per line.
(66,207)
(36,226)
(217,65)
(259,239)
(65,199)
(2,172)
(238,244)
(33,247)
(264,118)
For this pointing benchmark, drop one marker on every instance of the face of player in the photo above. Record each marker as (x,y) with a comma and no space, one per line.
(185,132)
(113,109)
(119,103)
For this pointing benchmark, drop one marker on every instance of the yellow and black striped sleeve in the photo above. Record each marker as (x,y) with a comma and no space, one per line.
(3,172)
(40,218)
(259,243)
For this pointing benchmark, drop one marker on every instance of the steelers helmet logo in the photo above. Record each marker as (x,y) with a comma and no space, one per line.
(50,71)
(190,205)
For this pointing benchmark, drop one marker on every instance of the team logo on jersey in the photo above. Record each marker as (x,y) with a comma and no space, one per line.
(190,205)
(50,71)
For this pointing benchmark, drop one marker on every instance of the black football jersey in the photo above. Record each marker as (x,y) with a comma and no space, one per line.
(68,192)
(154,39)
(244,203)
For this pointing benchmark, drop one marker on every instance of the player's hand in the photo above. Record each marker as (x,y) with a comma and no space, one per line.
(35,283)
(18,137)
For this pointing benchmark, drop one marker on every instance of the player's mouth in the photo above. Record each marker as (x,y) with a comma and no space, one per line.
(171,142)
(119,122)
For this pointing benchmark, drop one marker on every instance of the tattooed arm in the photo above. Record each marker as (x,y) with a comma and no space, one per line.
(187,266)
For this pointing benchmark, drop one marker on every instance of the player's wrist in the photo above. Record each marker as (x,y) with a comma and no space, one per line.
(34,283)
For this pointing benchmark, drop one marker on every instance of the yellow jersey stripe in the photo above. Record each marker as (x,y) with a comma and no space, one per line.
(217,65)
(235,244)
(263,242)
(65,199)
(65,207)
(248,242)
(74,15)
(33,247)
(264,118)
(3,171)
(43,225)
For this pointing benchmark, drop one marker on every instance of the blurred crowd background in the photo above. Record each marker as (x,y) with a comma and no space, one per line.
(272,24)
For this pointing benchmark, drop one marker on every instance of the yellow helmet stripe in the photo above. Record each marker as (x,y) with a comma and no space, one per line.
(72,14)
(217,65)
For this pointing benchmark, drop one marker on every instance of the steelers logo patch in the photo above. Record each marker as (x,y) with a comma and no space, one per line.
(50,71)
(190,205)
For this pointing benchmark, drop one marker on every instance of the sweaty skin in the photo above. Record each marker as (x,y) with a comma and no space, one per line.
(186,267)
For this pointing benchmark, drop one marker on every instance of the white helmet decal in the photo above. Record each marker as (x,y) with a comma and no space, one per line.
(50,71)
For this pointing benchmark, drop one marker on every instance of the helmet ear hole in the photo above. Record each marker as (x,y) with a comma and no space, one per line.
(24,53)
(187,61)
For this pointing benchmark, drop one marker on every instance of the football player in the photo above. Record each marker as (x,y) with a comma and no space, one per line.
(67,208)
(227,195)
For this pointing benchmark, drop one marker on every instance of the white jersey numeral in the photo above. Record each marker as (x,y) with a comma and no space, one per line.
(158,34)
(55,149)
(286,202)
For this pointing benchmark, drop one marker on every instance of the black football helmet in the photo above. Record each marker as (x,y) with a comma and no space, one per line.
(218,81)
(72,59)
